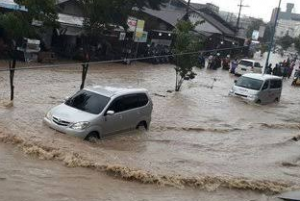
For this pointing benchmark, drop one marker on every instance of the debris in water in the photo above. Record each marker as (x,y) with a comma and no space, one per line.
(159,95)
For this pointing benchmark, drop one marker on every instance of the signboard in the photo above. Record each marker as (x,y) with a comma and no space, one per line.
(139,28)
(122,36)
(142,39)
(132,23)
(262,30)
(255,35)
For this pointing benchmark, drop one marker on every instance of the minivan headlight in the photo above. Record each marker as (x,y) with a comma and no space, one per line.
(252,97)
(80,125)
(49,115)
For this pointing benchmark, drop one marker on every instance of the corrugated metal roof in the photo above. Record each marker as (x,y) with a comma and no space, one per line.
(70,20)
(11,5)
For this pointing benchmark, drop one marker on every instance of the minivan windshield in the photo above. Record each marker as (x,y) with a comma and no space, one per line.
(249,83)
(88,101)
(246,63)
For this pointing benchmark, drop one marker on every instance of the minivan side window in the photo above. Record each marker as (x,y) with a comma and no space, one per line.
(129,102)
(276,84)
(266,85)
(117,105)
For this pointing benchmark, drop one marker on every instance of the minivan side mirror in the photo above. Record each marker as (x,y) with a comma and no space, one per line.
(110,112)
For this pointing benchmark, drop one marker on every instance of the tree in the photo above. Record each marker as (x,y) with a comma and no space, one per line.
(297,43)
(186,44)
(18,24)
(286,41)
(102,14)
(255,25)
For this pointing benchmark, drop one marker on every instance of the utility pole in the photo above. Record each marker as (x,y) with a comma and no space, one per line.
(241,5)
(188,10)
(272,36)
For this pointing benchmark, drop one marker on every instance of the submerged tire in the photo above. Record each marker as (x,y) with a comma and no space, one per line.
(142,124)
(92,137)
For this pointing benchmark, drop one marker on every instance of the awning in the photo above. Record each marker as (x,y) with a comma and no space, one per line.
(70,20)
(70,31)
(11,5)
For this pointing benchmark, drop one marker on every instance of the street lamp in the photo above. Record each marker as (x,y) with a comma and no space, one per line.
(272,37)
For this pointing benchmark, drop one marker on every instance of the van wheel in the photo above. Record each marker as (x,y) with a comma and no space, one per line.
(92,137)
(143,124)
(276,100)
(258,101)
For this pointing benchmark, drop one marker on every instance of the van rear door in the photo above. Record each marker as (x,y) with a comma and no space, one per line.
(275,90)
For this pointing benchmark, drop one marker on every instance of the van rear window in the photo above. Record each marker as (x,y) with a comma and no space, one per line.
(246,63)
(276,84)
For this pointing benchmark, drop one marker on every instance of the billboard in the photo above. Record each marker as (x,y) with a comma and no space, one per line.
(142,39)
(262,30)
(255,35)
(132,23)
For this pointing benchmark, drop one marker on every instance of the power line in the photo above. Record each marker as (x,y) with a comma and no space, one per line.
(122,60)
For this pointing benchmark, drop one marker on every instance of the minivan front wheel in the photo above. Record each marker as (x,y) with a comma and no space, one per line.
(92,137)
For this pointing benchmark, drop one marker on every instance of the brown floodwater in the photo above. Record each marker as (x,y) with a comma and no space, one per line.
(199,137)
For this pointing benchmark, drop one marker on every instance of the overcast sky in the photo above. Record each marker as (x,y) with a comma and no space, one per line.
(258,8)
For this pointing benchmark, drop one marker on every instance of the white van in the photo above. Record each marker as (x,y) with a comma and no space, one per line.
(248,66)
(258,88)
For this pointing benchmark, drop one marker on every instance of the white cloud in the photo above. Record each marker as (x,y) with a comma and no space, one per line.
(258,8)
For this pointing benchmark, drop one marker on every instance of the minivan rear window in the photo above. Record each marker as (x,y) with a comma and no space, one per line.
(246,63)
(249,83)
(276,84)
(88,102)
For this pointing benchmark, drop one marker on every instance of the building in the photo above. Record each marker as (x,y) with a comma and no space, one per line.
(6,5)
(288,27)
(288,22)
(215,29)
(288,14)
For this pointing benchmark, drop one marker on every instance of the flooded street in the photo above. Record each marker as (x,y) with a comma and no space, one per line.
(198,138)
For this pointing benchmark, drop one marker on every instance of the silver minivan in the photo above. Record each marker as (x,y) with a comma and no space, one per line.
(258,88)
(248,66)
(98,111)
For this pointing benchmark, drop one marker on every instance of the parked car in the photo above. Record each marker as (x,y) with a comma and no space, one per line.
(248,66)
(98,111)
(258,88)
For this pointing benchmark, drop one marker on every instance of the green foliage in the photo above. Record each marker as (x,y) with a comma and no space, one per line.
(17,24)
(14,25)
(254,26)
(102,14)
(44,11)
(263,48)
(297,43)
(186,42)
(286,41)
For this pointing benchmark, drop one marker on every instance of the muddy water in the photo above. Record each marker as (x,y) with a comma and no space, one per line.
(199,137)
(24,178)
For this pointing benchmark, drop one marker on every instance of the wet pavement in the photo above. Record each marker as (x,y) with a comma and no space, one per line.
(198,137)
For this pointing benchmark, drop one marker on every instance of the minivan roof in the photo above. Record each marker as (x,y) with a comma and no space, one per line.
(113,91)
(261,76)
